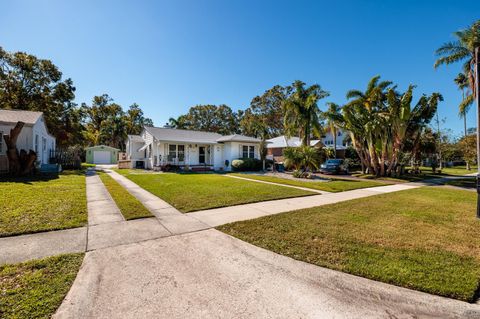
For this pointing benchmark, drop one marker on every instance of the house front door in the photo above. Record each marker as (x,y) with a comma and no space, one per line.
(201,154)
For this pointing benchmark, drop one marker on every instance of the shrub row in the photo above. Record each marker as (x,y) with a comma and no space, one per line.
(246,164)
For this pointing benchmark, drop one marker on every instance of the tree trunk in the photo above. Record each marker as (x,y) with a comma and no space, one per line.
(334,131)
(18,163)
(465,134)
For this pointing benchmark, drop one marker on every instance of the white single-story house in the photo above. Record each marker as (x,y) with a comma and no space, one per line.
(159,146)
(34,135)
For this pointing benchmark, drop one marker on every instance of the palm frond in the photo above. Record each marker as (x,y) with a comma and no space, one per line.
(354,94)
(465,105)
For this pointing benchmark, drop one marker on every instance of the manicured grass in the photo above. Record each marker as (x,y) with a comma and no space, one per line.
(130,207)
(463,182)
(191,192)
(42,203)
(335,185)
(426,173)
(425,239)
(88,165)
(36,289)
(457,170)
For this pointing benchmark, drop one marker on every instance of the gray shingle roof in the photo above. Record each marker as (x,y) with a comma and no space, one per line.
(14,116)
(238,138)
(189,136)
(176,135)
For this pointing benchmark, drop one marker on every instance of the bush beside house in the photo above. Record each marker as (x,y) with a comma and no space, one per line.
(246,164)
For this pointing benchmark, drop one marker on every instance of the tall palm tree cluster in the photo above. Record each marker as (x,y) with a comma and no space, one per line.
(381,119)
(382,122)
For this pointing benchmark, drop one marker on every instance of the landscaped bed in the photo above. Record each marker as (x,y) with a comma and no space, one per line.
(334,185)
(36,289)
(192,192)
(42,203)
(425,239)
(130,207)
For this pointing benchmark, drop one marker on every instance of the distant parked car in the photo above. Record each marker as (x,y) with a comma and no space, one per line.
(334,166)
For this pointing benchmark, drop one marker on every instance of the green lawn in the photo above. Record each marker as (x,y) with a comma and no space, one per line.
(425,239)
(457,170)
(36,289)
(335,185)
(426,173)
(130,207)
(463,182)
(191,192)
(42,203)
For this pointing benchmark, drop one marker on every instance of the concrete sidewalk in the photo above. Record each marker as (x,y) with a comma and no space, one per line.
(172,219)
(224,215)
(107,227)
(17,249)
(101,206)
(209,274)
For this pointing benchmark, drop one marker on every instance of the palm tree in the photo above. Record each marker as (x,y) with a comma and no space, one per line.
(462,82)
(301,112)
(363,115)
(462,50)
(334,120)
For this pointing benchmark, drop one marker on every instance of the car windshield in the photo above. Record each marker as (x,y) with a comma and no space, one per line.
(334,161)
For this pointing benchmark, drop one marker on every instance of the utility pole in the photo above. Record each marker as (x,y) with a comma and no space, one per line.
(477,98)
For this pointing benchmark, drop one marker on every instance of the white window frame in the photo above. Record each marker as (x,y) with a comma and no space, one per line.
(244,151)
(175,154)
(36,143)
(248,151)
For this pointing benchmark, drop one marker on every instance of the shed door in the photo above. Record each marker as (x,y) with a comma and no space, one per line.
(101,157)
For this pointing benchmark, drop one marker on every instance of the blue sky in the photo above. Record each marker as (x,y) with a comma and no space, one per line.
(170,55)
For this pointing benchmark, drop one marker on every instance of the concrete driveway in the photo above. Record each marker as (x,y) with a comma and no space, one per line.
(208,274)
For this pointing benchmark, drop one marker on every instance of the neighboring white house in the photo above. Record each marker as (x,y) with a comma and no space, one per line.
(34,135)
(342,144)
(158,146)
(277,144)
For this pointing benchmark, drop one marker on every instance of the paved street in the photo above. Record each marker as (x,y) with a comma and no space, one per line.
(208,274)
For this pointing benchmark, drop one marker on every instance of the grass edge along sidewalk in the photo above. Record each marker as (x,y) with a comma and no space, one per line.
(193,192)
(428,245)
(35,289)
(130,207)
(42,203)
(334,185)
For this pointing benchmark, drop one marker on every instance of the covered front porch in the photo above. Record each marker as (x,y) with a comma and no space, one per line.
(188,156)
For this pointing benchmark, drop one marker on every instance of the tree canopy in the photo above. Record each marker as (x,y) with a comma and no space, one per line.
(30,83)
(33,84)
(210,118)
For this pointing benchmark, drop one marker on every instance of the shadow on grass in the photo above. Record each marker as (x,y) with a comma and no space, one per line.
(38,177)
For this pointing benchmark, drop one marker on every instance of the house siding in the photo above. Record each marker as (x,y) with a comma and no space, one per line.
(216,153)
(26,140)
